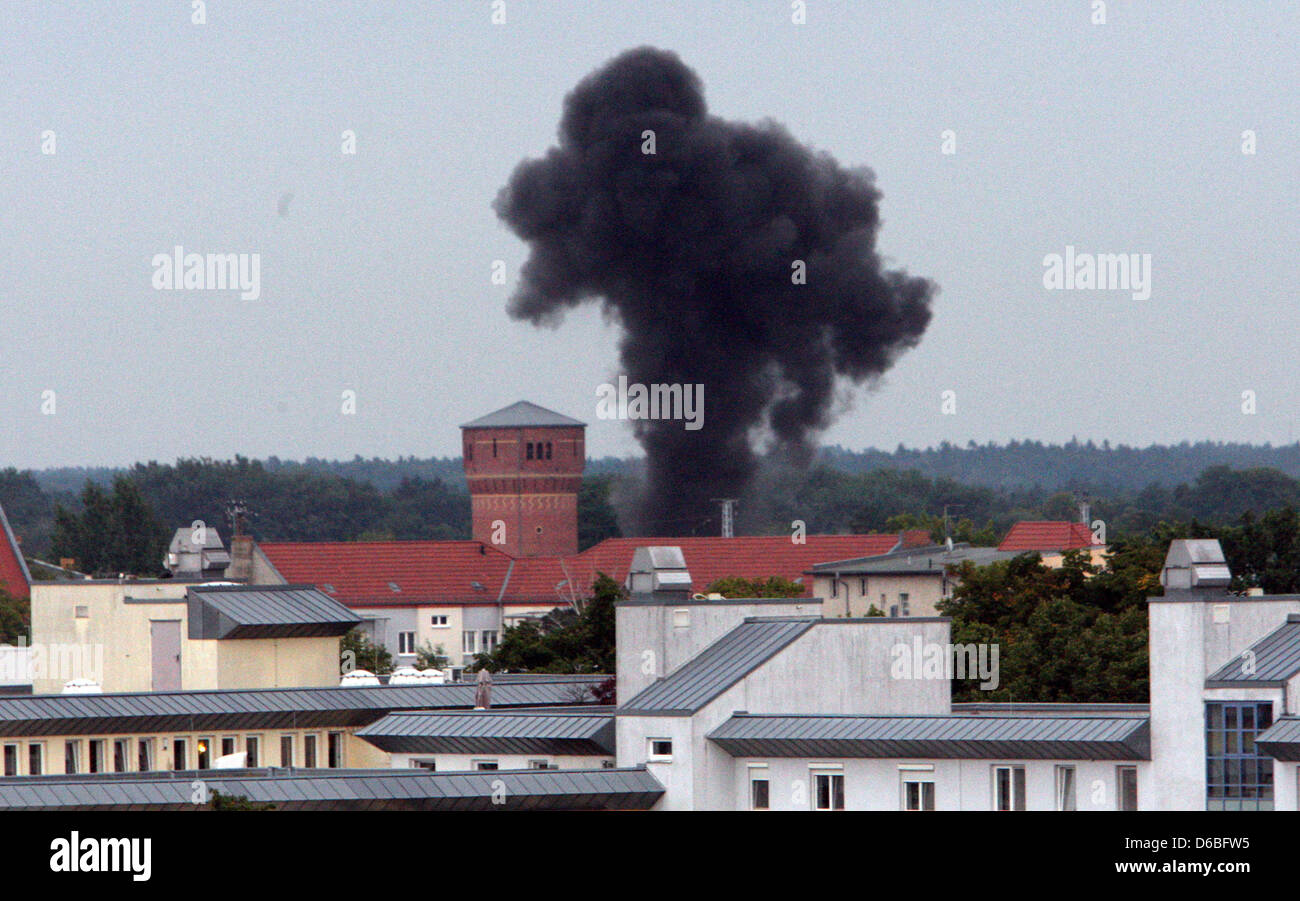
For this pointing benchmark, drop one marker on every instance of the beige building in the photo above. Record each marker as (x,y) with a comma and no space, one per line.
(910,582)
(166,635)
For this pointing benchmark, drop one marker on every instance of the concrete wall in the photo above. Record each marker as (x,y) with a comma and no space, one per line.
(115,635)
(450,763)
(853,595)
(276,662)
(652,640)
(1191,636)
(876,784)
(836,667)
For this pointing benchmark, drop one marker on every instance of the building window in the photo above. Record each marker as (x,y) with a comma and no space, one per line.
(893,611)
(760,789)
(334,750)
(903,603)
(72,756)
(1008,788)
(548,450)
(179,757)
(11,760)
(97,755)
(828,791)
(661,749)
(406,642)
(286,750)
(424,763)
(494,447)
(82,611)
(309,751)
(530,450)
(918,794)
(469,641)
(144,754)
(250,748)
(1238,777)
(469,451)
(489,640)
(121,755)
(438,622)
(541,765)
(484,765)
(35,758)
(228,745)
(205,753)
(1127,779)
(1066,790)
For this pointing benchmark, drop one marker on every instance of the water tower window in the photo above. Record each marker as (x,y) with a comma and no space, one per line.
(548,450)
(530,450)
(494,447)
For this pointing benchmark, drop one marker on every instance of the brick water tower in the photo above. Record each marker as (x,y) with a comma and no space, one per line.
(524,467)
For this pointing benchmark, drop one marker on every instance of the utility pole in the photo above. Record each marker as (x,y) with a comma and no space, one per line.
(946,508)
(728,516)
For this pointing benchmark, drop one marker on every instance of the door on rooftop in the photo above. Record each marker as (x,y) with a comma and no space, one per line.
(165,639)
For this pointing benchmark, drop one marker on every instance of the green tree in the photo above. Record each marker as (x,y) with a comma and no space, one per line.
(562,641)
(220,801)
(15,618)
(113,532)
(427,656)
(357,651)
(740,587)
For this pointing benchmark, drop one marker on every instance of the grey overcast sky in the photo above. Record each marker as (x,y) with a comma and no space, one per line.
(1125,137)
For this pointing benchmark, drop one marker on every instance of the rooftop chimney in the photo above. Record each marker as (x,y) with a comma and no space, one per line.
(659,573)
(241,559)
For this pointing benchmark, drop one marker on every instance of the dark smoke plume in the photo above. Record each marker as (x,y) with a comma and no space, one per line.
(692,250)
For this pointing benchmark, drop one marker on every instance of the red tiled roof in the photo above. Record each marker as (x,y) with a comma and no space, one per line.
(444,572)
(13,570)
(1046,536)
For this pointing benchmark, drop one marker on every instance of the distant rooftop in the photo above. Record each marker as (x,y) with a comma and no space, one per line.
(521,415)
(934,558)
(1047,536)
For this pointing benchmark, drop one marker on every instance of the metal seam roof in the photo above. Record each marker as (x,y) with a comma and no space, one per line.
(628,789)
(982,736)
(719,666)
(168,711)
(1275,658)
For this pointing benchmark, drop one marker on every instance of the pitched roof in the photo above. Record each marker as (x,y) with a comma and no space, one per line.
(412,573)
(1047,536)
(1282,739)
(521,415)
(415,573)
(343,789)
(14,575)
(1271,661)
(577,732)
(972,737)
(267,708)
(719,666)
(933,559)
(265,611)
(753,556)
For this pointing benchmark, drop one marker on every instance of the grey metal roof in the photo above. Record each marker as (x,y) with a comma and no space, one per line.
(299,789)
(496,732)
(1050,708)
(270,708)
(933,559)
(719,666)
(521,415)
(970,737)
(1282,739)
(1269,662)
(266,611)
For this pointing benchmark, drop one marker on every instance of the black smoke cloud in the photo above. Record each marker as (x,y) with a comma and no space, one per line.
(692,249)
